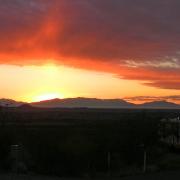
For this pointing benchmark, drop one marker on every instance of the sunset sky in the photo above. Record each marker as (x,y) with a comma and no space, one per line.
(90,48)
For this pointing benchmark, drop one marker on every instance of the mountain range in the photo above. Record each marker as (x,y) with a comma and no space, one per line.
(89,103)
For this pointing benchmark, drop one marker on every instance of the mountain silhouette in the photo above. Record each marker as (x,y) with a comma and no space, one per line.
(25,106)
(10,103)
(88,103)
(84,102)
(160,104)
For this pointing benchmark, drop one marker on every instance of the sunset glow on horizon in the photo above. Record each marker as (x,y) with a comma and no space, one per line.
(37,83)
(88,48)
(47,96)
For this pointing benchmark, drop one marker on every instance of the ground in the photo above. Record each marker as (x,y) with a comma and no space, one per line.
(174,175)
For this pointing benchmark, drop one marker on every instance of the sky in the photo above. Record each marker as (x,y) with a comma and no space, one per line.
(90,48)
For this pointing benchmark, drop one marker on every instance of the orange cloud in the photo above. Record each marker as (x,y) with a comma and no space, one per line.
(120,37)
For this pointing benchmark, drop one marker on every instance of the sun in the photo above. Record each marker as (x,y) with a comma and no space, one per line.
(50,68)
(48,96)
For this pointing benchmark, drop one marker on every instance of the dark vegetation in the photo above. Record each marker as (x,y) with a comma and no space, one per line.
(80,142)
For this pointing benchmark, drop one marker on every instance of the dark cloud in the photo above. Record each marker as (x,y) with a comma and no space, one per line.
(135,39)
(175,98)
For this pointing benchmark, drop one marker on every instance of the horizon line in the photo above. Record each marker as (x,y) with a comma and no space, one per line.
(124,99)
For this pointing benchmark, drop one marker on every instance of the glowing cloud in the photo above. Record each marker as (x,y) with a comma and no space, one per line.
(134,39)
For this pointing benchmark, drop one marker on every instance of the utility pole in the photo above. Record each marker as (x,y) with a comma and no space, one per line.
(145,161)
(144,157)
(109,163)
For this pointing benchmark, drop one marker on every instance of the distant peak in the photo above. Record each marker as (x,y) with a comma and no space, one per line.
(9,103)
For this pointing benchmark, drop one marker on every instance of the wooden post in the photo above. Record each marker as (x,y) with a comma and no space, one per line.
(109,163)
(145,161)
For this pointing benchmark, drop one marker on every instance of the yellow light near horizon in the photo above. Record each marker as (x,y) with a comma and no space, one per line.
(47,96)
(36,83)
(50,68)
